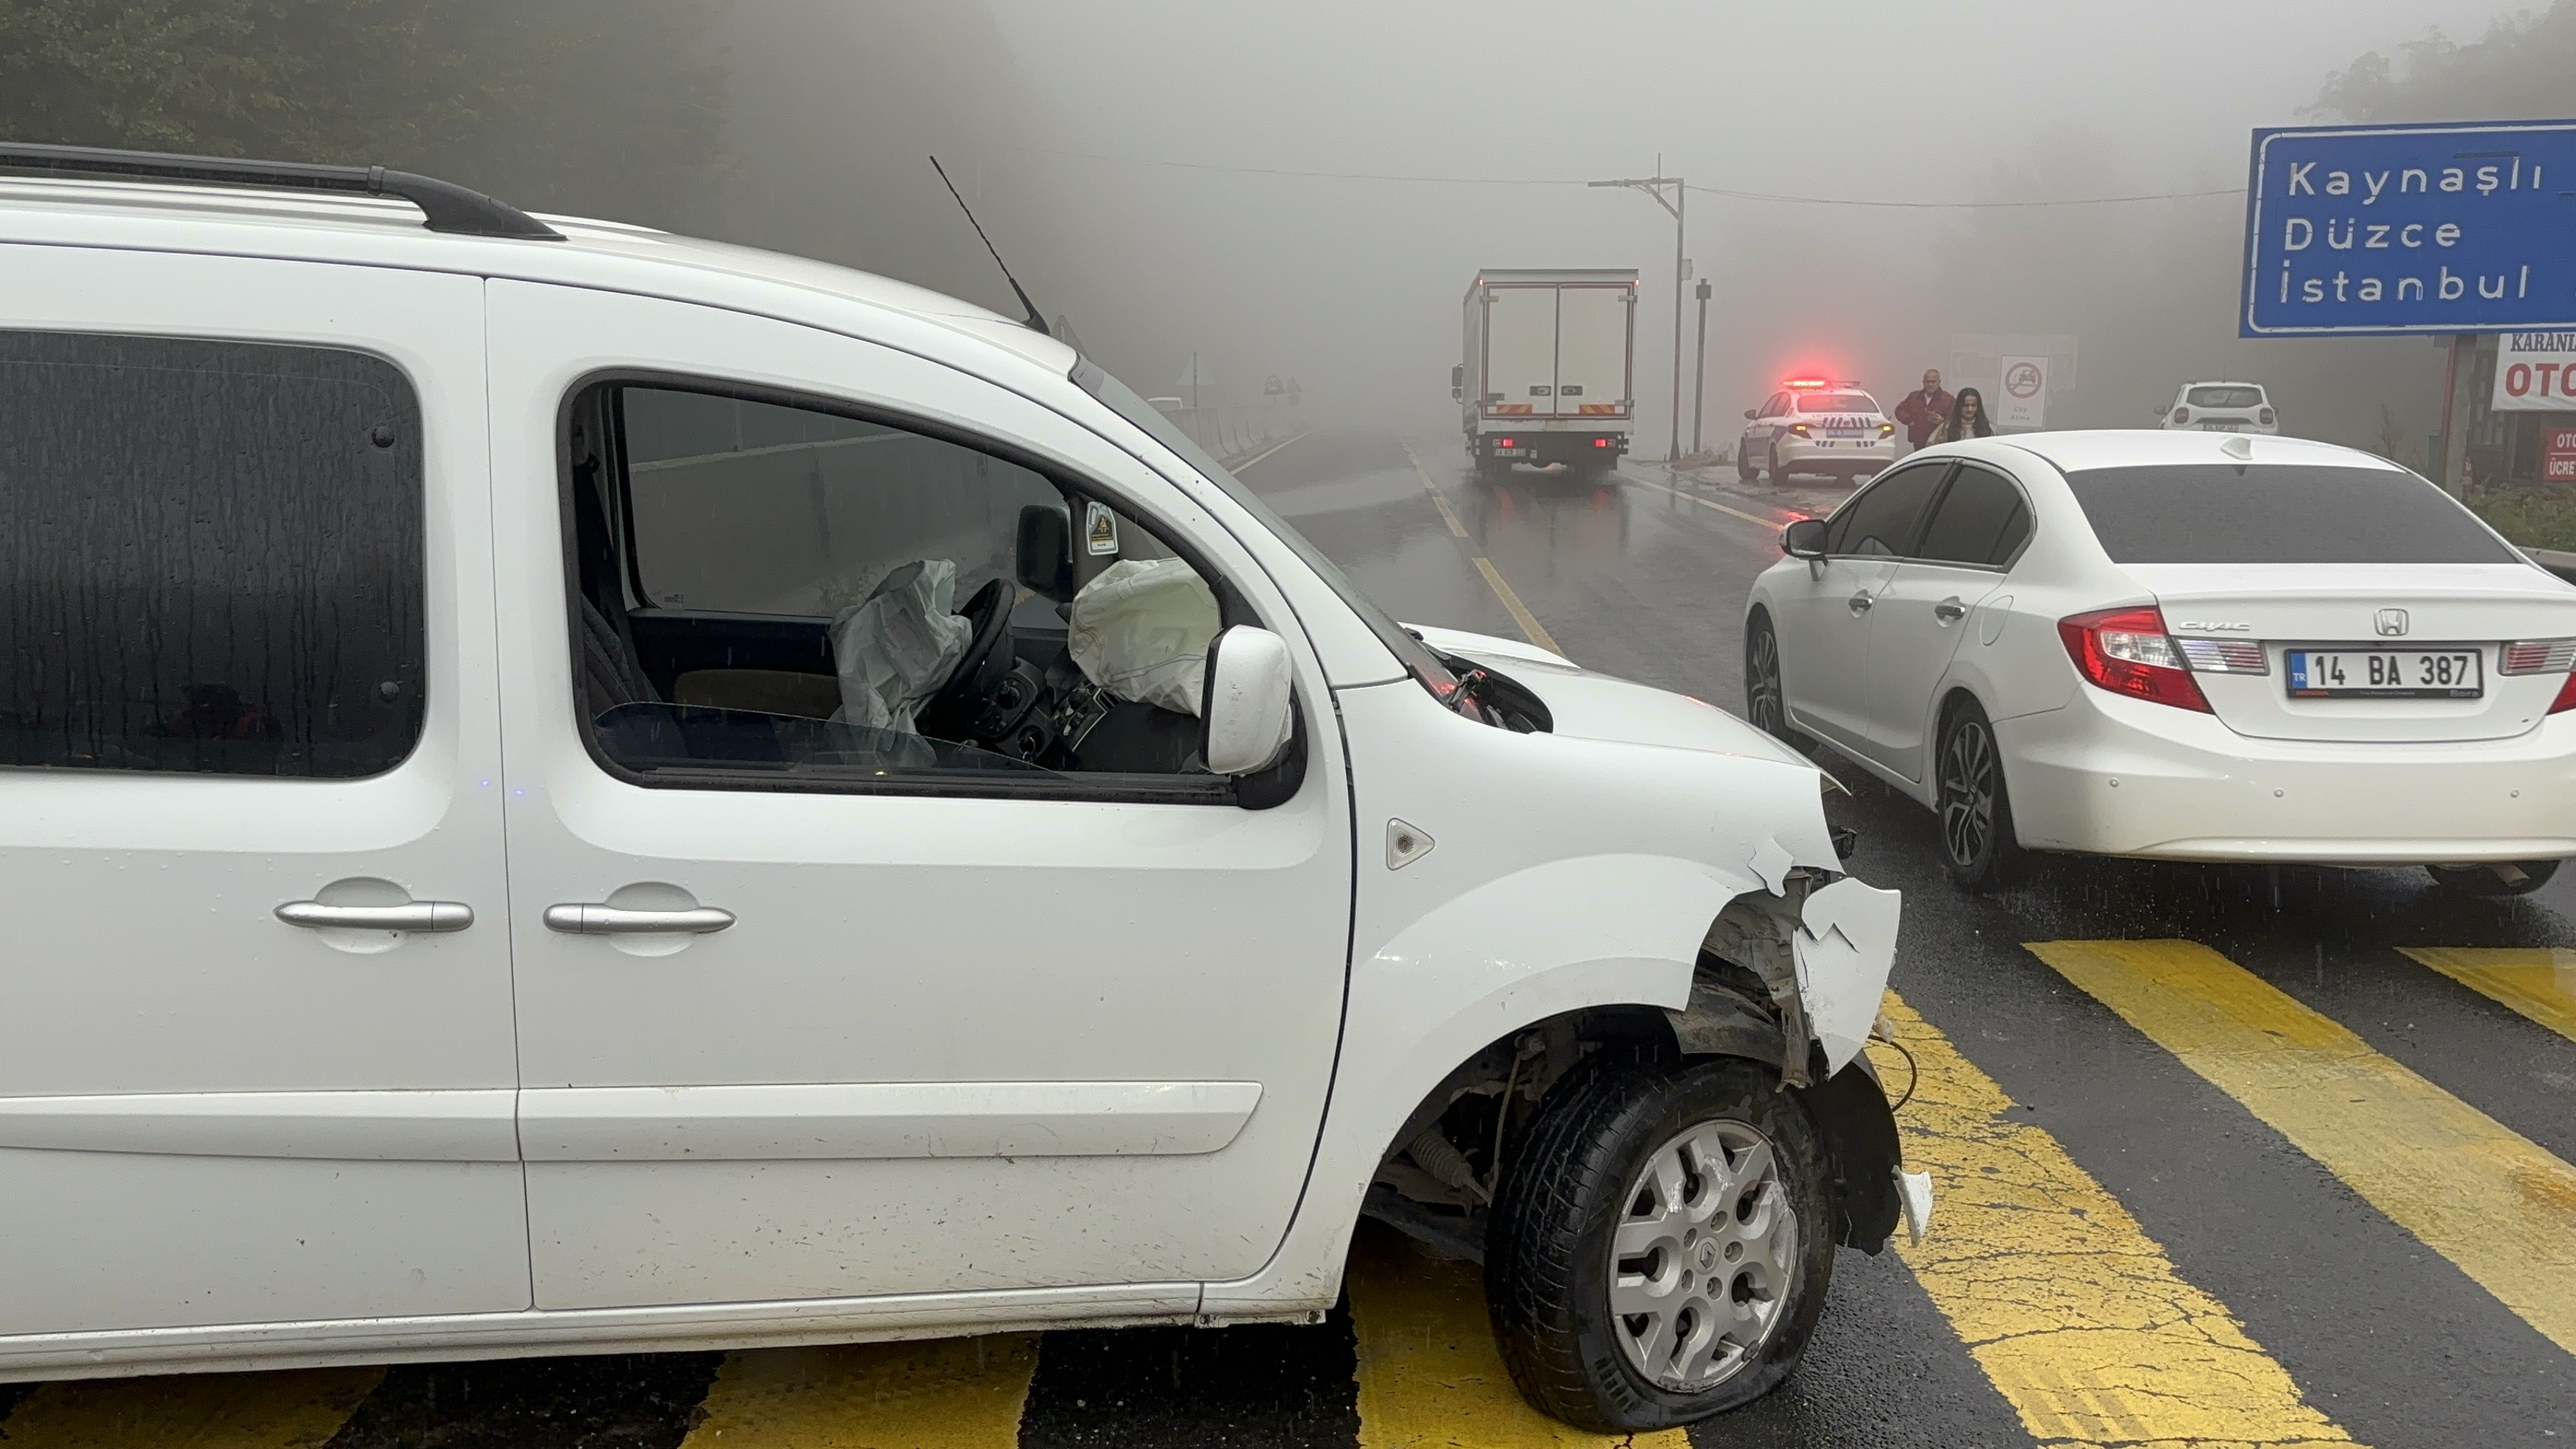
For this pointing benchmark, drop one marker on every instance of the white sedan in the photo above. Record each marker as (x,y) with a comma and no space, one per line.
(2184,646)
(1814,426)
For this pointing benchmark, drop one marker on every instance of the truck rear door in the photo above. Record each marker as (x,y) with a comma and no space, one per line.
(1520,350)
(1591,351)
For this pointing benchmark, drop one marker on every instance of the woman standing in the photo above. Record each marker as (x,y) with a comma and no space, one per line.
(1967,419)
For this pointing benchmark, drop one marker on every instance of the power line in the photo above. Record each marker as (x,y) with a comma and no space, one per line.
(1725,191)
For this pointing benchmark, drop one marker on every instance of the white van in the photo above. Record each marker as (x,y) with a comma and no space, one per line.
(568,789)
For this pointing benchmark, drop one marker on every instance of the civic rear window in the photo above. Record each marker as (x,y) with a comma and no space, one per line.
(2220,513)
(1836,402)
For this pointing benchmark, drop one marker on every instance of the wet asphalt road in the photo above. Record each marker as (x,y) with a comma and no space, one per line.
(2381,1333)
(2343,1312)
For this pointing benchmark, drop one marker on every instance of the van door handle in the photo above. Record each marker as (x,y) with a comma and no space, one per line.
(1950,610)
(426,916)
(591,918)
(1860,603)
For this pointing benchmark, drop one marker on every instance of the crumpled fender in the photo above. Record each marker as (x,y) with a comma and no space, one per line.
(1844,947)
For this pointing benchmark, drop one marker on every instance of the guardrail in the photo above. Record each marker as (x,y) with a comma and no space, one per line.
(1230,432)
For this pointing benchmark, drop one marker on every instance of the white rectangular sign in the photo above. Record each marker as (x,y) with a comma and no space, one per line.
(2535,373)
(2021,397)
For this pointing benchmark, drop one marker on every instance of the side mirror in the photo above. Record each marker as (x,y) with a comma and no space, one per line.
(1247,705)
(1751,413)
(1457,394)
(1804,538)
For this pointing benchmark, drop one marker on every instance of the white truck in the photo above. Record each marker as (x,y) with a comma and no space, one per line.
(1550,370)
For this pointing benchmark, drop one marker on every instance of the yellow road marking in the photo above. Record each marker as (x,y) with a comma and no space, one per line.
(2470,1188)
(1429,1376)
(947,1393)
(2541,984)
(1266,452)
(1705,503)
(1530,627)
(2074,1313)
(289,1409)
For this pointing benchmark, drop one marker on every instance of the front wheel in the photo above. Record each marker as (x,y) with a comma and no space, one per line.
(1661,1244)
(1977,838)
(1777,476)
(1745,472)
(2515,878)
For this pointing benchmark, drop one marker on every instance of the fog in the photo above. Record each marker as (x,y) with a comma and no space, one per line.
(1137,163)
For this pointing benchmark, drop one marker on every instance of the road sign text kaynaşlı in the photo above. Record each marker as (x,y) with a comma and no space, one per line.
(2425,228)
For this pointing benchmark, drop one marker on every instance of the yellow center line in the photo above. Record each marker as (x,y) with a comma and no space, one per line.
(1703,502)
(287,1409)
(2472,1189)
(1530,627)
(2541,984)
(948,1393)
(2076,1315)
(1429,1375)
(1266,452)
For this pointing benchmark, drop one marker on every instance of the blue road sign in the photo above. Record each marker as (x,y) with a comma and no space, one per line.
(2372,230)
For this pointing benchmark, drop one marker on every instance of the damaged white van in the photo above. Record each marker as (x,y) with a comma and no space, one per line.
(564,788)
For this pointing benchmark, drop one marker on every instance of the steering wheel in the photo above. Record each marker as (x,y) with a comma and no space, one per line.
(951,711)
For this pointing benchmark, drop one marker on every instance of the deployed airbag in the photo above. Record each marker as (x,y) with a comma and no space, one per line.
(1141,629)
(897,647)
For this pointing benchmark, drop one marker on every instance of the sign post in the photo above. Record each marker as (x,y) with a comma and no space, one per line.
(2441,228)
(2024,389)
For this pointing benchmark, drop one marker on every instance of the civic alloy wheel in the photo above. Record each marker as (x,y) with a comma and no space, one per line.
(1977,840)
(1701,1261)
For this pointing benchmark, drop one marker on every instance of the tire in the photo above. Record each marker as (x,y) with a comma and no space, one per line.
(1745,472)
(2482,881)
(1777,477)
(1585,1180)
(1766,703)
(1977,839)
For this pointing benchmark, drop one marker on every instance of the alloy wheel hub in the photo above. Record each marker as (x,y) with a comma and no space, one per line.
(1701,1260)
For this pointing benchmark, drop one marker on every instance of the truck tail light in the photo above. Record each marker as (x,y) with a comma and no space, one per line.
(2264,417)
(2127,651)
(2182,415)
(1504,443)
(1601,442)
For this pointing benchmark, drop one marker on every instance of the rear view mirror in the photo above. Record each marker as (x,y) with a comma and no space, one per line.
(1247,707)
(1457,382)
(1804,538)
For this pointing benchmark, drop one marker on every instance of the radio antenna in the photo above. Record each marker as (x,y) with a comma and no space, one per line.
(1036,323)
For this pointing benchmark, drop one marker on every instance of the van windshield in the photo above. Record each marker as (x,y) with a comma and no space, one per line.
(1416,656)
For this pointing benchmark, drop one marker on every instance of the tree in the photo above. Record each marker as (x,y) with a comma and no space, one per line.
(2519,70)
(544,101)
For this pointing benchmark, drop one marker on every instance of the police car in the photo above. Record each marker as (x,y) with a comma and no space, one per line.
(1812,425)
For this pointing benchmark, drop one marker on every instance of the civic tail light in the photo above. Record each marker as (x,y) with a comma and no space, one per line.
(2182,415)
(2127,651)
(2264,417)
(2544,656)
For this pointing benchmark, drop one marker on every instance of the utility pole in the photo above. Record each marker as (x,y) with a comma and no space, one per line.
(1699,374)
(1668,192)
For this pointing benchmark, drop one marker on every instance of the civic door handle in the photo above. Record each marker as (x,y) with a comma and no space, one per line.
(1950,610)
(1860,603)
(590,918)
(425,916)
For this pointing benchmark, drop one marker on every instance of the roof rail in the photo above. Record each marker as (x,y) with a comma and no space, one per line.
(444,205)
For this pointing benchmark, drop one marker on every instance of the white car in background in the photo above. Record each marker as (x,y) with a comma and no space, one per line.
(1814,426)
(2185,647)
(2221,407)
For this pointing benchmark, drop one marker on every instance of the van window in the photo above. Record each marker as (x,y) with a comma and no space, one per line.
(210,557)
(777,596)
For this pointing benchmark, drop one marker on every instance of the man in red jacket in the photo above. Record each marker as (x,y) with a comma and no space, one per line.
(1925,409)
